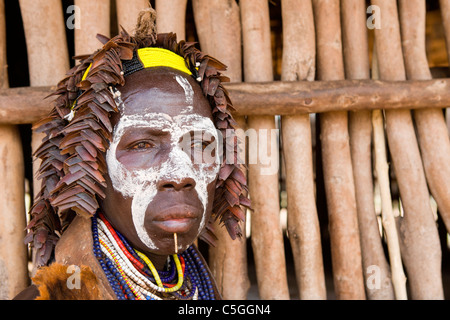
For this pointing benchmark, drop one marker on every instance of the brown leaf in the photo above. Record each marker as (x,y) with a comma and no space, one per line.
(225,171)
(90,148)
(90,185)
(84,154)
(239,176)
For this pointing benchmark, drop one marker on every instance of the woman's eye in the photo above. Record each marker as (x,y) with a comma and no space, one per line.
(141,146)
(199,145)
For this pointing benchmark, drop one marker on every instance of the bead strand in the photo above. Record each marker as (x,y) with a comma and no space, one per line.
(203,274)
(139,291)
(131,273)
(108,228)
(138,275)
(126,249)
(105,262)
(111,243)
(151,267)
(160,287)
(195,275)
(107,251)
(119,259)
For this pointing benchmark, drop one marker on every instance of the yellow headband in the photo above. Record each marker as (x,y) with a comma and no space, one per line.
(156,57)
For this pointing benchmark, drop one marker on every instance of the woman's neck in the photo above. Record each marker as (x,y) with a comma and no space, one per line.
(159,261)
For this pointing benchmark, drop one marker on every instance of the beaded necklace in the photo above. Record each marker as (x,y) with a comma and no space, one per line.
(132,275)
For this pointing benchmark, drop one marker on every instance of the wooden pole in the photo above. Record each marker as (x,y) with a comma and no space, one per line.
(383,179)
(219,31)
(299,50)
(445,12)
(419,240)
(432,131)
(128,12)
(171,17)
(13,253)
(94,16)
(266,235)
(27,105)
(337,165)
(294,97)
(382,169)
(356,57)
(4,83)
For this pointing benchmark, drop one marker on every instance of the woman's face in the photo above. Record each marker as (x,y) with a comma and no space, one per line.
(162,164)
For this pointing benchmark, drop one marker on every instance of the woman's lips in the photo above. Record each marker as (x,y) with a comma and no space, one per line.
(179,219)
(176,225)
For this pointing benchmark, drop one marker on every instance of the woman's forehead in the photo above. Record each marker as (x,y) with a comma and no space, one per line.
(163,90)
(163,121)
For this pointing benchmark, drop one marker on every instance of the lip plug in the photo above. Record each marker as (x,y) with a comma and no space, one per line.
(175,240)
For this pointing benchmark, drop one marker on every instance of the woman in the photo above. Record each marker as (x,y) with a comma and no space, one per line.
(133,170)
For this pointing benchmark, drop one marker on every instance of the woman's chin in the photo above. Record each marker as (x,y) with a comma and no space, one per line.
(167,241)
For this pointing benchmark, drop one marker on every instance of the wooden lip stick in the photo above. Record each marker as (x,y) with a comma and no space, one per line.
(176,242)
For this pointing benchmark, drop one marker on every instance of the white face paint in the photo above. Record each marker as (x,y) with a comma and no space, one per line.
(141,184)
(188,92)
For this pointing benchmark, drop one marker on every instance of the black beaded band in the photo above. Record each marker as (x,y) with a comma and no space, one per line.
(133,65)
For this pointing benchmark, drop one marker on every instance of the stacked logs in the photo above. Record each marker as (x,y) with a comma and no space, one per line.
(354,113)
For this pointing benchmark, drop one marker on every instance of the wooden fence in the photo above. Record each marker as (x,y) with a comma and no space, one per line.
(357,119)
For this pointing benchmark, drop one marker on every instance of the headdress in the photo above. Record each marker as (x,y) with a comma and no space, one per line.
(78,132)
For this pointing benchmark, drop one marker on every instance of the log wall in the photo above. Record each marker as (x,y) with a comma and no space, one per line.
(350,94)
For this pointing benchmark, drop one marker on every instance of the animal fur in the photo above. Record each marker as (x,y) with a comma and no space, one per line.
(52,282)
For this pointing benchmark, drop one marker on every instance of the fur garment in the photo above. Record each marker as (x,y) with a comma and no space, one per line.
(57,282)
(74,249)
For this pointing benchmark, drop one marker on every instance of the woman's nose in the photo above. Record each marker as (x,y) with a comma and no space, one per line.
(176,184)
